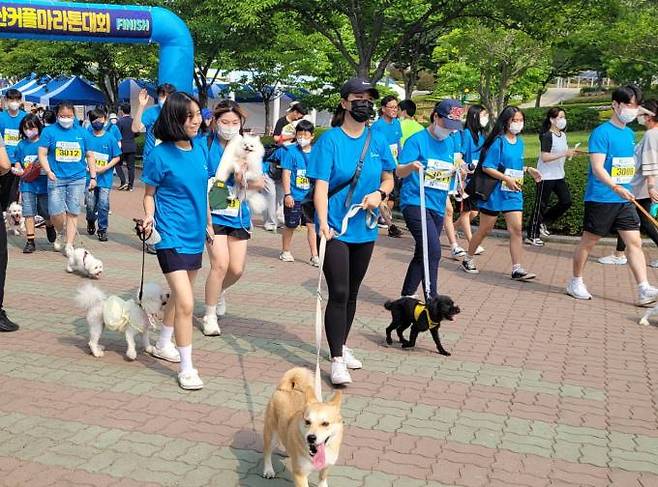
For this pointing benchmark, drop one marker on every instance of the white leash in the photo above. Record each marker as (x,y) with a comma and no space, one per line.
(423,225)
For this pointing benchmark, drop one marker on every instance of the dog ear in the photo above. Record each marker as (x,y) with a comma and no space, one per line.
(336,400)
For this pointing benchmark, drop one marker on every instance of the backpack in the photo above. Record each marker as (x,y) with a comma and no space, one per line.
(273,159)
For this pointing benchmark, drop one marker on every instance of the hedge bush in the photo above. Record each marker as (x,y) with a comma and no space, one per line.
(579,118)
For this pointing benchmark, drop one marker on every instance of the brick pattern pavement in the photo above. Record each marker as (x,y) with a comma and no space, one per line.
(541,390)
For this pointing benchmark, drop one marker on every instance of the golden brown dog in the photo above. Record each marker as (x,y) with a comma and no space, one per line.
(310,431)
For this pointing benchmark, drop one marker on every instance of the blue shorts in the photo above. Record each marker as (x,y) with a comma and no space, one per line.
(65,196)
(294,216)
(35,204)
(172,261)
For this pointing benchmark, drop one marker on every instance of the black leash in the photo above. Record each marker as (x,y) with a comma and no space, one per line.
(141,234)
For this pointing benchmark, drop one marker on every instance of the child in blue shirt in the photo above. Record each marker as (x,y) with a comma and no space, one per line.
(10,120)
(34,194)
(502,158)
(145,119)
(296,186)
(107,154)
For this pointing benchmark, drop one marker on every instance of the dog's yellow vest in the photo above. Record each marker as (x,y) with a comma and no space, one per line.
(419,310)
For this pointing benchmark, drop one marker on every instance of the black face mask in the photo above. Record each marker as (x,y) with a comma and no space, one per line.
(362,110)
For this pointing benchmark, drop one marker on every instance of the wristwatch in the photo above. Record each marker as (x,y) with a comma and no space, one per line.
(383,194)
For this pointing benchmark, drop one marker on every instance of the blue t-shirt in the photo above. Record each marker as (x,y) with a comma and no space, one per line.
(236,215)
(109,127)
(181,196)
(436,156)
(26,154)
(67,150)
(508,159)
(334,159)
(617,144)
(392,132)
(296,162)
(149,118)
(9,130)
(471,149)
(105,148)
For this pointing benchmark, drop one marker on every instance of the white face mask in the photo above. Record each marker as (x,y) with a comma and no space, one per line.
(65,122)
(627,115)
(227,133)
(14,105)
(560,123)
(516,127)
(303,142)
(484,120)
(161,101)
(642,120)
(440,132)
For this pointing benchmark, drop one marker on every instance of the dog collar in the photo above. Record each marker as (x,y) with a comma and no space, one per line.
(419,310)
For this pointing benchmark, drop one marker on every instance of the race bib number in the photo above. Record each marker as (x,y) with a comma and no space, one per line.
(301,181)
(68,152)
(394,150)
(229,204)
(101,159)
(232,210)
(516,175)
(12,137)
(623,169)
(437,174)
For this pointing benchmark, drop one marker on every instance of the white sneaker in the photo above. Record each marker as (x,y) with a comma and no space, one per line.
(339,373)
(58,244)
(190,380)
(653,263)
(169,353)
(286,256)
(647,296)
(543,231)
(479,250)
(613,260)
(210,326)
(315,261)
(457,252)
(351,362)
(535,242)
(270,227)
(68,249)
(577,289)
(221,304)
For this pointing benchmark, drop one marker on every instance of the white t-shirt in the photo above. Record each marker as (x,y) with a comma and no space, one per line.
(646,163)
(550,142)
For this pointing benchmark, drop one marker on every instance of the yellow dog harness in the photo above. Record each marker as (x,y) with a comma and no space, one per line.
(418,312)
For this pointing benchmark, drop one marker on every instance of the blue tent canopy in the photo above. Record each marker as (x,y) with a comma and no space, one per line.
(73,89)
(127,85)
(23,84)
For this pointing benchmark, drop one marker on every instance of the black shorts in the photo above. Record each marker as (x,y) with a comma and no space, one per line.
(603,219)
(238,233)
(395,194)
(463,206)
(484,211)
(171,261)
(294,216)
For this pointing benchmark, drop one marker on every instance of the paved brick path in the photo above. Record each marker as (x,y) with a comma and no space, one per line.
(540,389)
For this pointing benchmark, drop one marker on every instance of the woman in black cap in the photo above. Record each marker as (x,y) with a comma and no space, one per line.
(351,167)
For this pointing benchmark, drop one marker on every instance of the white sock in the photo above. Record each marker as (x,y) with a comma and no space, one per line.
(577,280)
(642,286)
(211,310)
(454,246)
(166,332)
(185,358)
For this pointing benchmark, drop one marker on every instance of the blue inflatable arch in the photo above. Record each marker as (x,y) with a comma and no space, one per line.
(89,22)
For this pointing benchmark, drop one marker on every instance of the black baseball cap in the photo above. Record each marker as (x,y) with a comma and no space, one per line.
(358,85)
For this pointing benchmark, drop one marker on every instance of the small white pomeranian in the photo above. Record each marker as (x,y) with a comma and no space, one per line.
(14,219)
(248,152)
(81,261)
(126,317)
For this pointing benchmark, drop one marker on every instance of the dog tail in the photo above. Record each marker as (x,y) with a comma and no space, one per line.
(388,304)
(89,296)
(257,202)
(297,379)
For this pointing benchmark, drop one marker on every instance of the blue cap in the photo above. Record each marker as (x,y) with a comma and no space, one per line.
(206,114)
(451,111)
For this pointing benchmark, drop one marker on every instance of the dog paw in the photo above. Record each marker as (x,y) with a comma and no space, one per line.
(131,355)
(644,322)
(389,340)
(444,353)
(406,344)
(269,473)
(97,352)
(69,269)
(150,349)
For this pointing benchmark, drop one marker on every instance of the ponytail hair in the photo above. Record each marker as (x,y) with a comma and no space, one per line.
(339,116)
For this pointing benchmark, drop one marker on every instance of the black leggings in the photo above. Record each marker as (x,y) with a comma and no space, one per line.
(128,160)
(8,190)
(645,225)
(345,266)
(541,213)
(3,259)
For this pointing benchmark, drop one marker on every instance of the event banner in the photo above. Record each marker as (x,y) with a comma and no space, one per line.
(24,18)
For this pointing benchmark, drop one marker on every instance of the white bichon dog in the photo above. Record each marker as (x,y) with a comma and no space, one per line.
(244,151)
(14,219)
(81,261)
(126,317)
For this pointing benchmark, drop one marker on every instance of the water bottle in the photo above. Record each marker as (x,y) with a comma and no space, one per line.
(654,209)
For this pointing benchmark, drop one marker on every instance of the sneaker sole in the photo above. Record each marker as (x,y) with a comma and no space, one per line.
(646,302)
(190,388)
(341,383)
(213,333)
(354,368)
(580,298)
(529,277)
(470,272)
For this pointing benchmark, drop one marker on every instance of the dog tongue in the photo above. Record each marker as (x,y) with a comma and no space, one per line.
(319,458)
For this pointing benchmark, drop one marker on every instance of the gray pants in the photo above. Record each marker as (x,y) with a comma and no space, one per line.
(273,192)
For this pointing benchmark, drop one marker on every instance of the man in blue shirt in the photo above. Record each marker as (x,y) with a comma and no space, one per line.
(144,119)
(10,120)
(608,198)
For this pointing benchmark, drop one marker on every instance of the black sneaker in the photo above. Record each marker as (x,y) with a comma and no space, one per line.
(5,323)
(102,235)
(91,227)
(150,249)
(522,275)
(394,231)
(51,233)
(468,265)
(29,247)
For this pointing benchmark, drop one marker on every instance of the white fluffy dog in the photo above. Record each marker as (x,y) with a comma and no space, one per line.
(14,219)
(244,151)
(648,315)
(81,261)
(123,316)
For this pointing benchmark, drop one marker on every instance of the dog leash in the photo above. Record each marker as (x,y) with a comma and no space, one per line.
(645,213)
(423,226)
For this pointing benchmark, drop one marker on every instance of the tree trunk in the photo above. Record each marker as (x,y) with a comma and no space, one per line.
(540,92)
(266,102)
